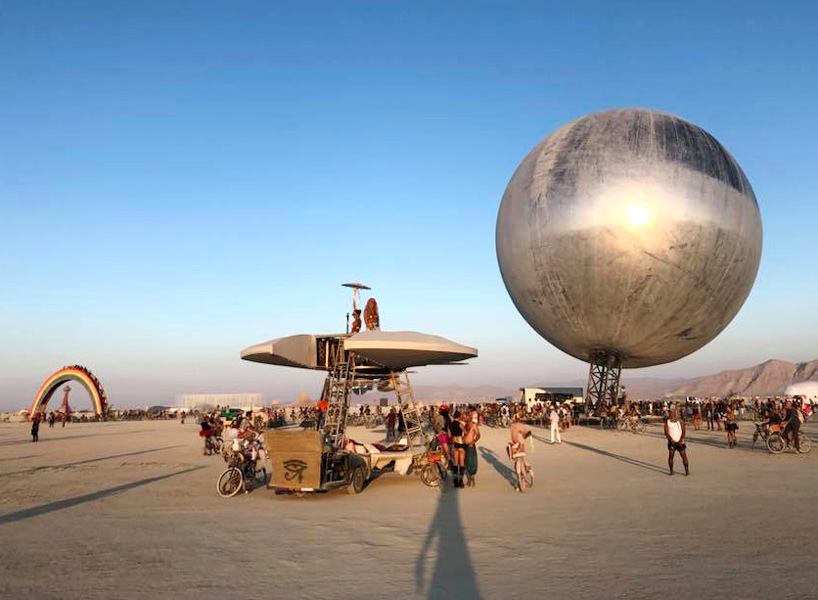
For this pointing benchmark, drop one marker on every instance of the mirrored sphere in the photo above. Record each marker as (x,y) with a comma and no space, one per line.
(630,231)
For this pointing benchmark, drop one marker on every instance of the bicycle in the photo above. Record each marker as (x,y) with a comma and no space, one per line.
(632,424)
(524,472)
(430,465)
(355,420)
(761,432)
(610,422)
(777,443)
(241,473)
(372,421)
(212,442)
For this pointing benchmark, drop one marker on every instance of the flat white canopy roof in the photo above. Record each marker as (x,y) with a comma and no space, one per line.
(392,349)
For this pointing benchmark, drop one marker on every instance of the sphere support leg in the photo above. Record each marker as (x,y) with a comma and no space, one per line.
(603,381)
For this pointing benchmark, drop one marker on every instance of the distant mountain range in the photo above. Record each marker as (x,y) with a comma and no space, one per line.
(462,394)
(770,378)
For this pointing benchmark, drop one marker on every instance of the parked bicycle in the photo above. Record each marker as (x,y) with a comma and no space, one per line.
(430,465)
(355,420)
(372,421)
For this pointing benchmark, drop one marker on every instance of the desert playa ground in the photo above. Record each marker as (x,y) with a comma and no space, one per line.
(129,510)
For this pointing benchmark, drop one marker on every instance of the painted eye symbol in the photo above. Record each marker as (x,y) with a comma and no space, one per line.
(295,468)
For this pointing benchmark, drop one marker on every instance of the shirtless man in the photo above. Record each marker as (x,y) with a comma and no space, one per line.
(675,434)
(519,434)
(471,438)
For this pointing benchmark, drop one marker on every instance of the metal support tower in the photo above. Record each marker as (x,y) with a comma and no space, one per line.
(412,418)
(603,380)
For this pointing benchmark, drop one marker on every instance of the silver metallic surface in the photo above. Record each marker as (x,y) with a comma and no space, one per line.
(629,231)
(395,350)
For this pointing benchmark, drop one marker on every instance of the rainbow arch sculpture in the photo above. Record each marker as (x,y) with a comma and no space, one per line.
(76,373)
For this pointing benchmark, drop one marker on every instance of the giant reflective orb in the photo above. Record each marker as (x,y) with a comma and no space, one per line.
(630,231)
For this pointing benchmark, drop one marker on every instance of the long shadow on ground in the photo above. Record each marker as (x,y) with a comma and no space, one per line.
(19,457)
(625,459)
(692,439)
(453,575)
(36,511)
(85,462)
(499,466)
(47,439)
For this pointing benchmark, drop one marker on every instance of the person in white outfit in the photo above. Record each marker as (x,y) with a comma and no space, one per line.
(554,417)
(675,434)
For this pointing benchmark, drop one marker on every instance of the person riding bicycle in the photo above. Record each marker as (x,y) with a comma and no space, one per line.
(770,417)
(793,425)
(516,448)
(208,431)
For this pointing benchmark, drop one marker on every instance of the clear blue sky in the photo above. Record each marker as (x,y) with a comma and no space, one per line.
(179,180)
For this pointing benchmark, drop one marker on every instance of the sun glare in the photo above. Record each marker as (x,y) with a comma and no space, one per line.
(638,215)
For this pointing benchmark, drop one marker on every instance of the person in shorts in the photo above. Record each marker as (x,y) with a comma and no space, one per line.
(675,434)
(730,426)
(457,433)
(441,427)
(471,438)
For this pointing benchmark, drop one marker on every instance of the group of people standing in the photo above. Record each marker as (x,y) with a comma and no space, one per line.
(789,415)
(458,434)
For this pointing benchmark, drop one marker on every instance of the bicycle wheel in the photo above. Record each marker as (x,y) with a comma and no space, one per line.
(522,480)
(357,481)
(805,445)
(639,426)
(430,475)
(775,443)
(529,478)
(230,483)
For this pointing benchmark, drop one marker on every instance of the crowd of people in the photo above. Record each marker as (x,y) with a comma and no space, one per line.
(454,428)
